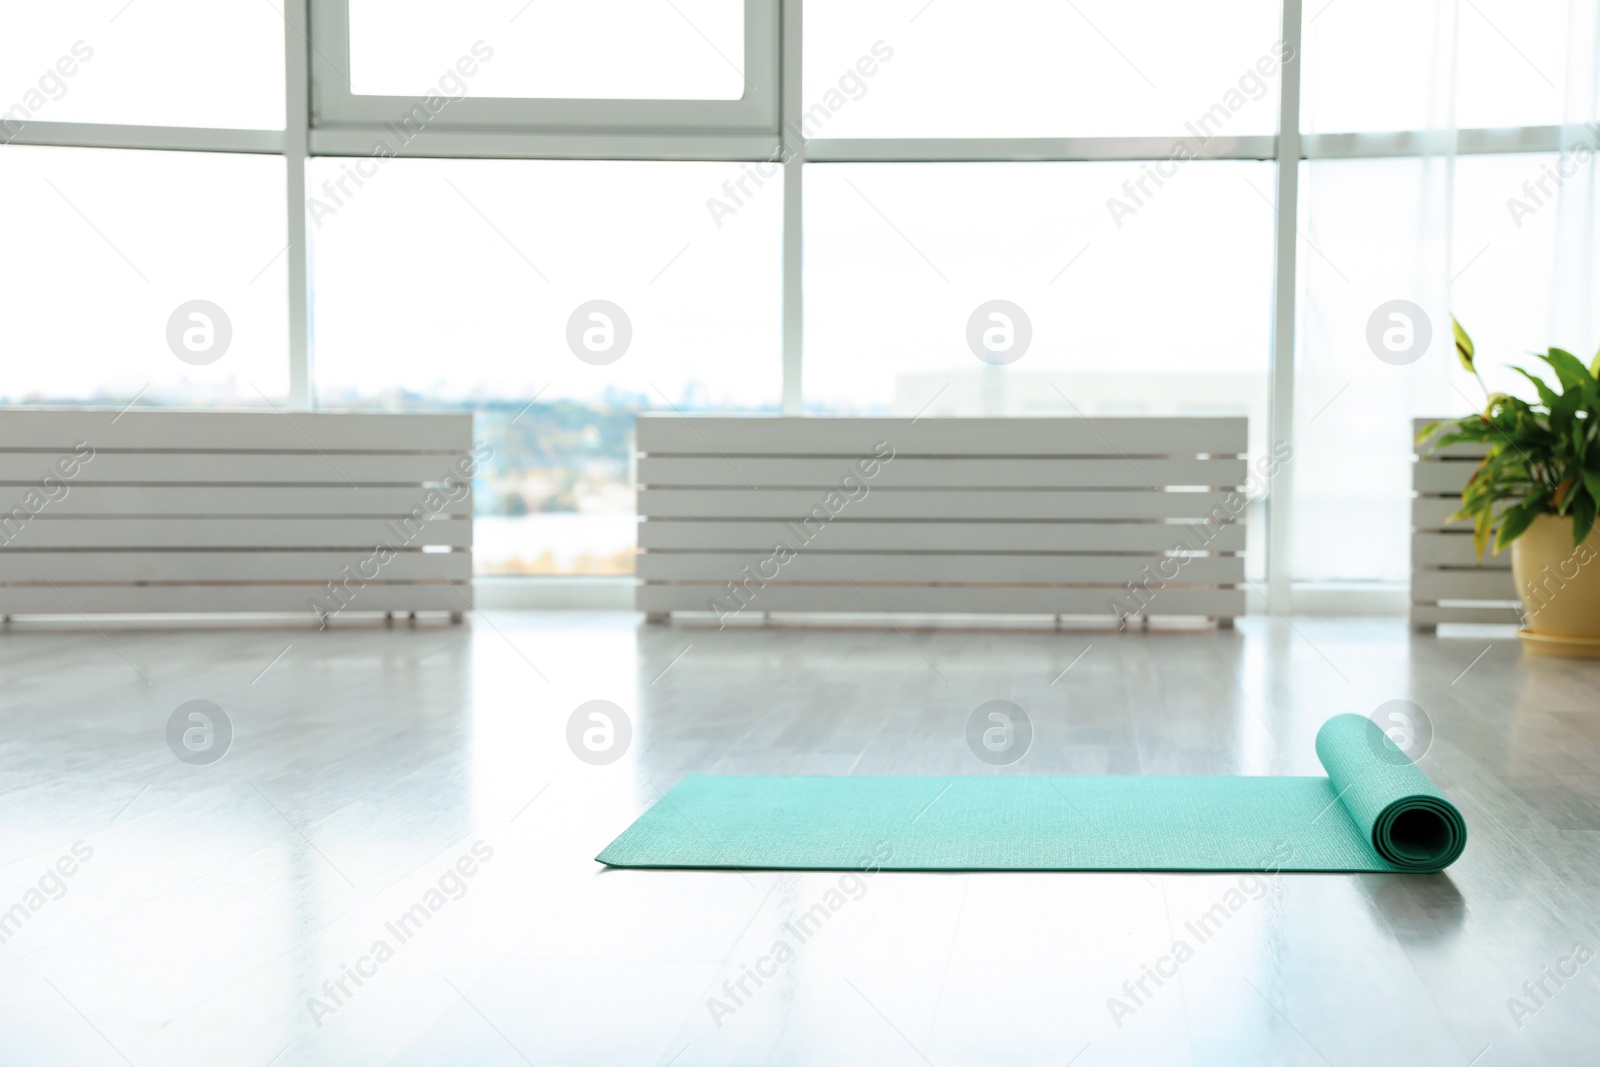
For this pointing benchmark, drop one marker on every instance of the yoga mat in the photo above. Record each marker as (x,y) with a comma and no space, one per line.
(1375,811)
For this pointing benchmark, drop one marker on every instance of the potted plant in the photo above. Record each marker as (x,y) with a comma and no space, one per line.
(1536,491)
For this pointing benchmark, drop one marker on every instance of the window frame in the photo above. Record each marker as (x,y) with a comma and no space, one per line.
(755,112)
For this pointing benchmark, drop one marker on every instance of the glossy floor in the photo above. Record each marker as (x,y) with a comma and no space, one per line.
(393,861)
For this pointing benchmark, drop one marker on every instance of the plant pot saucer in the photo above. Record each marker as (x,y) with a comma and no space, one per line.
(1563,647)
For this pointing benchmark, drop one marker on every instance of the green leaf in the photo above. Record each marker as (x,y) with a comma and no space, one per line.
(1464,350)
(1573,374)
(1564,413)
(1481,525)
(1468,433)
(1547,395)
(1427,432)
(1565,496)
(1514,522)
(1591,482)
(1582,517)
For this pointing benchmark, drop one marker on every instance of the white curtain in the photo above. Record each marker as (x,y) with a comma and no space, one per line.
(1506,241)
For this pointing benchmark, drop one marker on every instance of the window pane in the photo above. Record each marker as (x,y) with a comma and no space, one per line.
(623,49)
(1039,68)
(102,271)
(556,298)
(1382,233)
(146,63)
(1165,315)
(1524,281)
(1372,65)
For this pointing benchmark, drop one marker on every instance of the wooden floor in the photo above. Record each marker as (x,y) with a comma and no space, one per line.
(215,914)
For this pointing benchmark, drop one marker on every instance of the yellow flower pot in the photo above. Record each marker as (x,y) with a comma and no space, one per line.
(1560,588)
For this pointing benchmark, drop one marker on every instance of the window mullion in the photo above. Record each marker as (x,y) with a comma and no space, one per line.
(296,137)
(1280,363)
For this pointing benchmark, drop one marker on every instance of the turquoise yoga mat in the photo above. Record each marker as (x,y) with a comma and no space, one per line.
(1375,811)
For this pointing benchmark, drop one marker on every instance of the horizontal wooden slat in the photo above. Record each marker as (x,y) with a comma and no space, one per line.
(942,567)
(122,599)
(947,536)
(924,599)
(1450,476)
(218,500)
(234,468)
(1430,512)
(1429,585)
(190,566)
(784,472)
(1466,451)
(997,504)
(1434,614)
(941,437)
(268,532)
(1431,549)
(240,431)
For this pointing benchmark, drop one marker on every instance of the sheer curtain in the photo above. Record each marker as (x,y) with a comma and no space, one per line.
(1393,243)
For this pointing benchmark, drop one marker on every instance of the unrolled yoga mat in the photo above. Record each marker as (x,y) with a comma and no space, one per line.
(1375,811)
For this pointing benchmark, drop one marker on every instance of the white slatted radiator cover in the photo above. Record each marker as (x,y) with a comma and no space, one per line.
(1448,582)
(149,511)
(1070,516)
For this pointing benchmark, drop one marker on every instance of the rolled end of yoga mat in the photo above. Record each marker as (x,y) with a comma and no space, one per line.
(1410,823)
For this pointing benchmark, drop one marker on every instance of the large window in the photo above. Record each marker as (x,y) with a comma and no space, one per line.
(217,63)
(453,283)
(557,215)
(1378,66)
(107,255)
(1041,68)
(622,50)
(1157,312)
